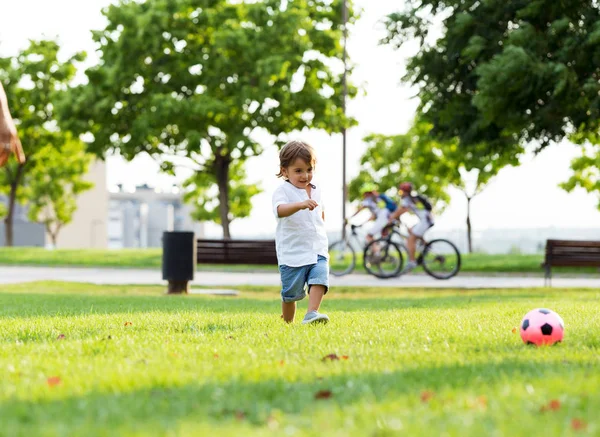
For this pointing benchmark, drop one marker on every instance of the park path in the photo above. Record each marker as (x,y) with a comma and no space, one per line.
(14,274)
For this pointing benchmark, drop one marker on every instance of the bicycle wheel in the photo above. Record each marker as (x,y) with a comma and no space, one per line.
(440,259)
(342,258)
(383,259)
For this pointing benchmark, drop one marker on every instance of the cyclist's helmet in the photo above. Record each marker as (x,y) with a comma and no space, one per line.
(368,188)
(405,187)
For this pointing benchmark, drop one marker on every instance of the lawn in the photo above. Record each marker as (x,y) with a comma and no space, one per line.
(96,360)
(152,258)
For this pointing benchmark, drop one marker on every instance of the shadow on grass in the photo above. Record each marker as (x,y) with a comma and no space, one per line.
(158,409)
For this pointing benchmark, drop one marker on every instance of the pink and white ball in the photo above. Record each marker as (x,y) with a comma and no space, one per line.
(542,327)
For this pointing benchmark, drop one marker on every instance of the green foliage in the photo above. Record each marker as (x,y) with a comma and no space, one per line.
(200,192)
(55,182)
(390,160)
(201,79)
(36,81)
(504,73)
(586,171)
(94,360)
(432,165)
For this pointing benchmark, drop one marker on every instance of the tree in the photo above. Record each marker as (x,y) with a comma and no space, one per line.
(200,79)
(202,195)
(432,165)
(503,74)
(414,157)
(35,81)
(586,171)
(54,184)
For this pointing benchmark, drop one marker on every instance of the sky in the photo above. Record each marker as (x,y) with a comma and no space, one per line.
(523,197)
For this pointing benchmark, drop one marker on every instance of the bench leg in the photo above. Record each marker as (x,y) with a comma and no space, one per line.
(548,276)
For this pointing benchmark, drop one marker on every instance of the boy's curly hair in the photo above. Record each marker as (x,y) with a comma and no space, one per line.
(294,150)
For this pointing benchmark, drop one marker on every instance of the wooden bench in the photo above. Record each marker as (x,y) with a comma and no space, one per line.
(570,253)
(236,252)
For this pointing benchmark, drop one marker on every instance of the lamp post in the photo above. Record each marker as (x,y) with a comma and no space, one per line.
(344,94)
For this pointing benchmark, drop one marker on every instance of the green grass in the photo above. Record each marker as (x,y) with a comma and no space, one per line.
(152,258)
(132,361)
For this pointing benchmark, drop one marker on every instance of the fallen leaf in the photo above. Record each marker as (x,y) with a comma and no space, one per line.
(61,337)
(323,394)
(281,362)
(330,357)
(514,330)
(128,323)
(345,357)
(427,395)
(216,355)
(578,424)
(53,381)
(230,337)
(553,405)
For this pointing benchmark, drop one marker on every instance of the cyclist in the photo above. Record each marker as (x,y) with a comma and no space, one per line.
(419,206)
(380,205)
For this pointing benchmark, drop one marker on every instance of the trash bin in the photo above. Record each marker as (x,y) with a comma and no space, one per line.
(178,260)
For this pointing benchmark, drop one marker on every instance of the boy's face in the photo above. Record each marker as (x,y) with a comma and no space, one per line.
(299,173)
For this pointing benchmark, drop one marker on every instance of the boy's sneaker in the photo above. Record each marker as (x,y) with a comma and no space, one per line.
(315,317)
(409,266)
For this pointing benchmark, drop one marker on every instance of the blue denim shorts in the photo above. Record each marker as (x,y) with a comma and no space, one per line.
(294,279)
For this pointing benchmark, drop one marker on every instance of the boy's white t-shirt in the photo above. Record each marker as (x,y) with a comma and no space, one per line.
(301,237)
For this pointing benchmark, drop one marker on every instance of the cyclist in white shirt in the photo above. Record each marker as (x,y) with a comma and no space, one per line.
(380,206)
(420,207)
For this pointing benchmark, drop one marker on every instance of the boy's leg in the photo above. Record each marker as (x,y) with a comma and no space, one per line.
(318,283)
(292,289)
(315,297)
(288,310)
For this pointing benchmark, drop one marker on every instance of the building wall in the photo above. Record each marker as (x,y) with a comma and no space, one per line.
(139,218)
(25,233)
(89,226)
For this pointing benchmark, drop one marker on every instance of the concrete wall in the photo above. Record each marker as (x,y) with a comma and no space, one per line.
(25,234)
(89,226)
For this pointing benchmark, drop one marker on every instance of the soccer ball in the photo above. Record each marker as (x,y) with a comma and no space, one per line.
(542,327)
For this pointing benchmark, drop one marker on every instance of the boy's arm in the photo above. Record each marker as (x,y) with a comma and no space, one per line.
(287,209)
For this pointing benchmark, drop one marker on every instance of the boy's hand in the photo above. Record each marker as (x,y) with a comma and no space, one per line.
(310,204)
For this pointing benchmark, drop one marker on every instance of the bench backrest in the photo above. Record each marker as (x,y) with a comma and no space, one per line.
(573,253)
(236,252)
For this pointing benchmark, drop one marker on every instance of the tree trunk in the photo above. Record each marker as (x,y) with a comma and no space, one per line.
(53,234)
(8,220)
(222,173)
(469,237)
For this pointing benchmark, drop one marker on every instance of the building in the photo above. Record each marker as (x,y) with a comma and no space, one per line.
(88,227)
(113,220)
(139,218)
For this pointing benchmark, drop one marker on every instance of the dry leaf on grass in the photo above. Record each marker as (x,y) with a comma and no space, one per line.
(53,381)
(323,394)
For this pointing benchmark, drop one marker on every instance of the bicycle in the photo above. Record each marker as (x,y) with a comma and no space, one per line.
(382,261)
(440,258)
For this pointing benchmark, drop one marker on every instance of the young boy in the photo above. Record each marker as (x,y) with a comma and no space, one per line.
(300,238)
